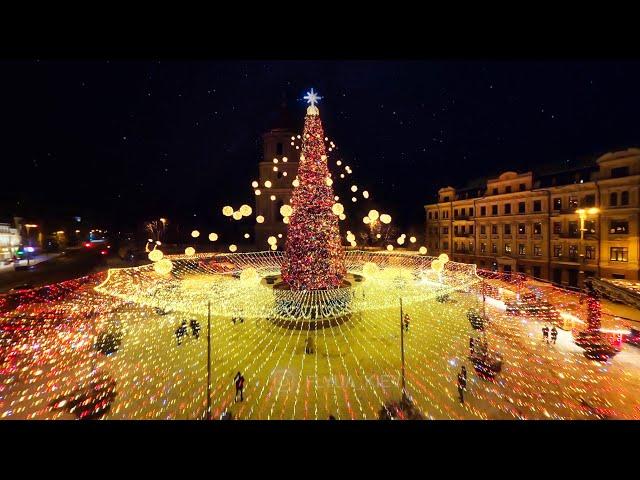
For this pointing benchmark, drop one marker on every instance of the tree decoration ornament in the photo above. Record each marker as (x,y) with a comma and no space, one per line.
(444,258)
(314,256)
(385,218)
(195,234)
(412,239)
(423,250)
(246,210)
(260,219)
(227,211)
(267,184)
(255,184)
(365,194)
(213,236)
(233,248)
(337,208)
(373,215)
(390,247)
(272,240)
(257,192)
(189,251)
(286,210)
(237,215)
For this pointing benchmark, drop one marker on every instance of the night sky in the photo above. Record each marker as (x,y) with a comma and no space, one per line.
(124,141)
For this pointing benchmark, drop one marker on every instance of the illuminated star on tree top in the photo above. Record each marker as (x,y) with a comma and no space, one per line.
(312,97)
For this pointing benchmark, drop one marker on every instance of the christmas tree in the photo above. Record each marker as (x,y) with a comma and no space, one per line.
(314,258)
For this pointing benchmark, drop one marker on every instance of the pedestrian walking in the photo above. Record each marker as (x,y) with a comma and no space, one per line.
(462,383)
(308,348)
(239,381)
(545,333)
(195,328)
(554,334)
(181,332)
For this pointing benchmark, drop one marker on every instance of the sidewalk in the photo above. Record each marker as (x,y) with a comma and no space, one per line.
(33,261)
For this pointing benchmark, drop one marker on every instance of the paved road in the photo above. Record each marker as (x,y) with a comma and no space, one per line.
(73,264)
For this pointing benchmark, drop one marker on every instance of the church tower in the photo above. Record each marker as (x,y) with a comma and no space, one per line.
(279,166)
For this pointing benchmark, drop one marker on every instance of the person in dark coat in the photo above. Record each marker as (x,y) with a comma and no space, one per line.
(195,328)
(239,381)
(554,334)
(545,333)
(308,348)
(181,332)
(462,383)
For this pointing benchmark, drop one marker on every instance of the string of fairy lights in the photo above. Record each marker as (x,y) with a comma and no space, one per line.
(48,356)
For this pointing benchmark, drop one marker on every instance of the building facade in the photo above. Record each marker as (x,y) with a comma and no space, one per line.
(276,172)
(563,227)
(10,240)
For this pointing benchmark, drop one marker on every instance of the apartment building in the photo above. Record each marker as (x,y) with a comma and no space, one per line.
(563,226)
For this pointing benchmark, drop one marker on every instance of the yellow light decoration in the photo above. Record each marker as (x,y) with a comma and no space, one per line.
(195,234)
(378,235)
(272,198)
(400,241)
(274,247)
(275,169)
(257,192)
(163,267)
(237,215)
(370,269)
(285,219)
(233,248)
(272,240)
(354,188)
(189,251)
(296,183)
(246,235)
(279,235)
(284,174)
(354,199)
(390,247)
(339,162)
(412,239)
(250,275)
(365,194)
(423,250)
(342,216)
(337,208)
(336,198)
(227,211)
(353,244)
(254,184)
(328,181)
(285,159)
(385,218)
(444,258)
(260,219)
(342,175)
(213,236)
(373,215)
(286,210)
(366,220)
(437,266)
(275,160)
(267,184)
(245,210)
(155,255)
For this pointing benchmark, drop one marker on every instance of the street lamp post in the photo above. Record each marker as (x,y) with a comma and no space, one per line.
(209,360)
(403,382)
(28,226)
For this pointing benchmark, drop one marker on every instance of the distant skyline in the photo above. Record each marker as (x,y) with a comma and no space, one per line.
(130,140)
